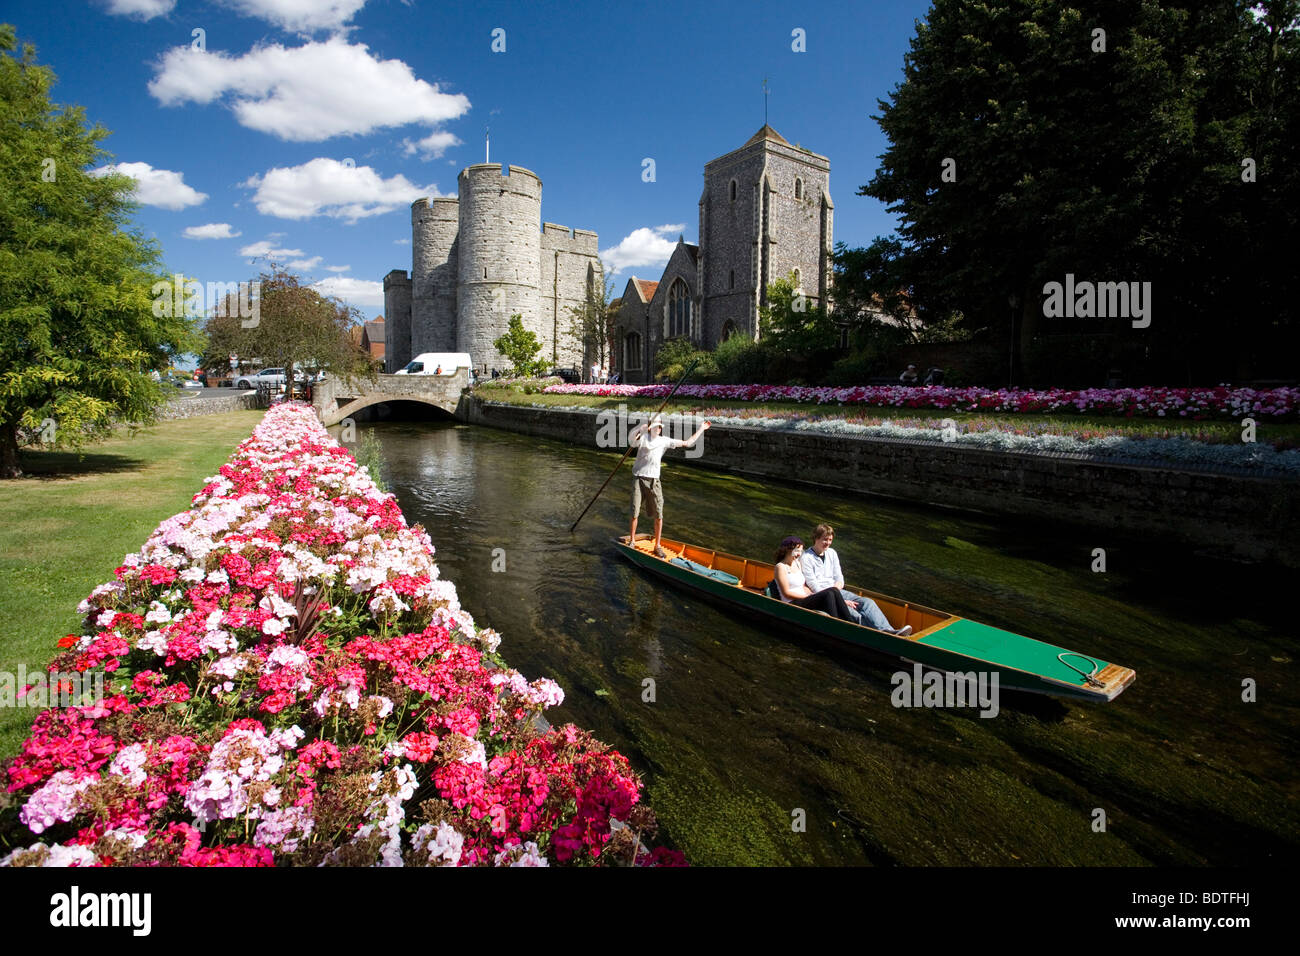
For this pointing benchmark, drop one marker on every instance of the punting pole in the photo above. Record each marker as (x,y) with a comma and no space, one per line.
(627,451)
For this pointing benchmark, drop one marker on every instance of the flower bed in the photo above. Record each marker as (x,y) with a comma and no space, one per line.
(1278,404)
(289,683)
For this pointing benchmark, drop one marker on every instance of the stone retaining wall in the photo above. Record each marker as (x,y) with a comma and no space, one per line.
(1242,516)
(192,406)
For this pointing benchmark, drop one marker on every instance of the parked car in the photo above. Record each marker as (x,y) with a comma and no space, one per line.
(436,363)
(268,376)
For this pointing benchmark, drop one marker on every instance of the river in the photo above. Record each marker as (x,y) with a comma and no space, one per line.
(762,749)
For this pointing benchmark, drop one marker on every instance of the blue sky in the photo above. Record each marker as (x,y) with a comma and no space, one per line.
(305,128)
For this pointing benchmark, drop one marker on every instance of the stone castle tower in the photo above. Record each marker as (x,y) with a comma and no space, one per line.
(766,211)
(481,257)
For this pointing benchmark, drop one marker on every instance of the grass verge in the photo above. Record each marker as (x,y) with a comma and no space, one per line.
(67,524)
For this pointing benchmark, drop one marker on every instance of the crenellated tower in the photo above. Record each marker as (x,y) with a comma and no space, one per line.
(482,256)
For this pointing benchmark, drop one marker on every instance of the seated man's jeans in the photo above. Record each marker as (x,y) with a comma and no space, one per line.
(869,614)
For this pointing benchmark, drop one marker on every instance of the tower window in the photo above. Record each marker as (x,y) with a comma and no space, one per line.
(733,190)
(728,330)
(798,279)
(733,278)
(798,188)
(679,310)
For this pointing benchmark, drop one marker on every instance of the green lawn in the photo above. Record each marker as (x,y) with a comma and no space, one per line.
(1083,426)
(67,524)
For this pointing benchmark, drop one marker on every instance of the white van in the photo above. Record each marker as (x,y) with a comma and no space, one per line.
(436,363)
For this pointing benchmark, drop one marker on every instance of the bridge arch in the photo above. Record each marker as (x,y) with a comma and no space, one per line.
(336,399)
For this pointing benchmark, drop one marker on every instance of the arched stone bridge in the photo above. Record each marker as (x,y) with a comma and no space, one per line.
(335,399)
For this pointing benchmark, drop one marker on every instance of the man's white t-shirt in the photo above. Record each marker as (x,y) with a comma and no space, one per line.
(650,453)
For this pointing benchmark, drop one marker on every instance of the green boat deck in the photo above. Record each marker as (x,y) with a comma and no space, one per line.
(993,644)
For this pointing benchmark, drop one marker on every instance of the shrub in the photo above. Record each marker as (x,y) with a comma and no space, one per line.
(675,357)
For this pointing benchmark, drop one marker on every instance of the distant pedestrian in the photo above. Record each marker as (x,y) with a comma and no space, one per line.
(909,376)
(595,373)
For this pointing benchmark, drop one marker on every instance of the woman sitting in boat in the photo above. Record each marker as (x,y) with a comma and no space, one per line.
(790,582)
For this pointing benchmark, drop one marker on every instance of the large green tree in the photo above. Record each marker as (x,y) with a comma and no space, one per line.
(78,333)
(292,326)
(1108,139)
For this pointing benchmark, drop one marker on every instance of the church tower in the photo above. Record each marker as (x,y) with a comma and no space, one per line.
(766,211)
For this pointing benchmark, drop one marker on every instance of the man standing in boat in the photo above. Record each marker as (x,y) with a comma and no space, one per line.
(821,570)
(650,444)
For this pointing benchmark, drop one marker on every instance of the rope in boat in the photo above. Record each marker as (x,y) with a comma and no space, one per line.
(1089,677)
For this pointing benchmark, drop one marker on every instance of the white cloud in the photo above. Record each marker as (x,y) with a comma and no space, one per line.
(144,9)
(432,146)
(306,265)
(337,268)
(307,93)
(359,292)
(211,230)
(266,250)
(642,247)
(299,16)
(327,187)
(401,242)
(156,187)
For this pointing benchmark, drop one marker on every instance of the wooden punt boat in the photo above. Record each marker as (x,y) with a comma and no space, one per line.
(939,640)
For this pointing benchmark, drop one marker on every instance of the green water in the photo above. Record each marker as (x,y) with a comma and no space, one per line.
(752,732)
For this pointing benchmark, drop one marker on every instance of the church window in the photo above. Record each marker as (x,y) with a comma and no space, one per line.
(679,310)
(733,278)
(798,279)
(733,190)
(728,330)
(798,188)
(632,351)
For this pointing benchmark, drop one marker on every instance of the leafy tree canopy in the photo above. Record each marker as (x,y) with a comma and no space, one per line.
(292,326)
(1108,139)
(78,333)
(791,322)
(520,347)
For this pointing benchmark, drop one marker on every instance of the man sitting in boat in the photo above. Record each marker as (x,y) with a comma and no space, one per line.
(645,473)
(821,570)
(793,590)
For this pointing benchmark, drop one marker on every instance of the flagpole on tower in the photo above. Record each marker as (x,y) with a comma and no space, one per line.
(766,93)
(487,144)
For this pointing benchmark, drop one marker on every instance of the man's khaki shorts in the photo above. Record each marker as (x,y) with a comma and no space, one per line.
(654,497)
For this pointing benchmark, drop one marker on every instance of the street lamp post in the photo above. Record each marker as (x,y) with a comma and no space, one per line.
(1013,300)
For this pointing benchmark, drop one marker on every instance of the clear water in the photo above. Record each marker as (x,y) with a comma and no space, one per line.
(763,748)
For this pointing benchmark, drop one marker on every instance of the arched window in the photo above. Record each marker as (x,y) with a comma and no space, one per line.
(798,188)
(632,351)
(733,190)
(798,279)
(733,278)
(728,330)
(679,310)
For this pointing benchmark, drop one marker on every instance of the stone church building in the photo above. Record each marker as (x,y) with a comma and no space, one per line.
(480,257)
(765,212)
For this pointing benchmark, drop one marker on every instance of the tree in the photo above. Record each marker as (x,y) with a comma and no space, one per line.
(78,331)
(791,323)
(592,326)
(874,283)
(293,327)
(1105,139)
(520,348)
